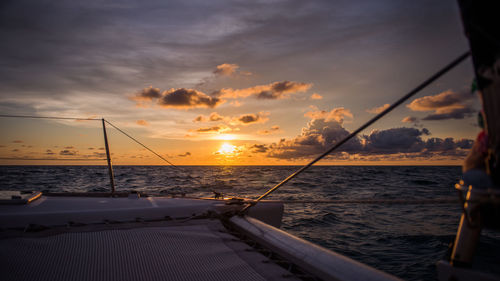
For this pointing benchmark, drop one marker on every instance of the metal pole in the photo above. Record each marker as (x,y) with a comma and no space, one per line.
(108,156)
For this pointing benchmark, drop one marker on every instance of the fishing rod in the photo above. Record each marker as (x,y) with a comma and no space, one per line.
(417,89)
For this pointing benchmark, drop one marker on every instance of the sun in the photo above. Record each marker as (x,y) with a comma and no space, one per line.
(227,149)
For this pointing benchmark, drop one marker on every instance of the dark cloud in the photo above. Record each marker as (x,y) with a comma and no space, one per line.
(247,119)
(68,152)
(451,113)
(187,98)
(214,129)
(259,148)
(409,119)
(185,154)
(316,137)
(321,133)
(148,94)
(394,140)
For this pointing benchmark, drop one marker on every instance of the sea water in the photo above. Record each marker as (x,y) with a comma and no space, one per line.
(402,239)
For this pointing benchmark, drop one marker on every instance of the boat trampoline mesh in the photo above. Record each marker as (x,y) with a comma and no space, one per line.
(193,252)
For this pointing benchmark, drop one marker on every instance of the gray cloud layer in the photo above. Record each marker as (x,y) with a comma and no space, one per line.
(320,134)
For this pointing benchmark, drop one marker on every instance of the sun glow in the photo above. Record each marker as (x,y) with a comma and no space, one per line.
(226,137)
(227,149)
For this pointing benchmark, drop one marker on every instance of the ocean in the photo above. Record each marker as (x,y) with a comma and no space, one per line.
(402,239)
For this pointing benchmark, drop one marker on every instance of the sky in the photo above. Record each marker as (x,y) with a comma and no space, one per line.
(233,82)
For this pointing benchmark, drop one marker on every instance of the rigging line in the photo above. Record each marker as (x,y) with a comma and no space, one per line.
(141,144)
(417,89)
(47,117)
(52,159)
(370,201)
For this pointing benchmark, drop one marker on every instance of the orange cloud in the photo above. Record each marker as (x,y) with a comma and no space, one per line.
(336,114)
(226,69)
(446,105)
(316,96)
(142,122)
(276,90)
(409,119)
(377,110)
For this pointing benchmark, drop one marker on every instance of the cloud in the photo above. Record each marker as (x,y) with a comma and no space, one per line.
(409,119)
(68,152)
(49,152)
(17,141)
(276,90)
(446,105)
(271,130)
(142,122)
(187,98)
(394,140)
(326,128)
(148,94)
(212,130)
(316,96)
(181,98)
(199,118)
(321,133)
(248,119)
(336,114)
(226,69)
(68,147)
(259,148)
(214,116)
(185,154)
(377,110)
(451,113)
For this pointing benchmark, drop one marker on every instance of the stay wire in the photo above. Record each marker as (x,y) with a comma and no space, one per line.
(150,150)
(48,117)
(417,89)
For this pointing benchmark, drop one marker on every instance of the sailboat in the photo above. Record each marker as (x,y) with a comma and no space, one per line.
(132,236)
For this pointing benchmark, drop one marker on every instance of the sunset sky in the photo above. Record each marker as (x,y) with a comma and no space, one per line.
(233,82)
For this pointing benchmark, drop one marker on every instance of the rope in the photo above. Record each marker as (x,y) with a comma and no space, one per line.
(424,84)
(150,150)
(48,117)
(370,201)
(140,143)
(52,159)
